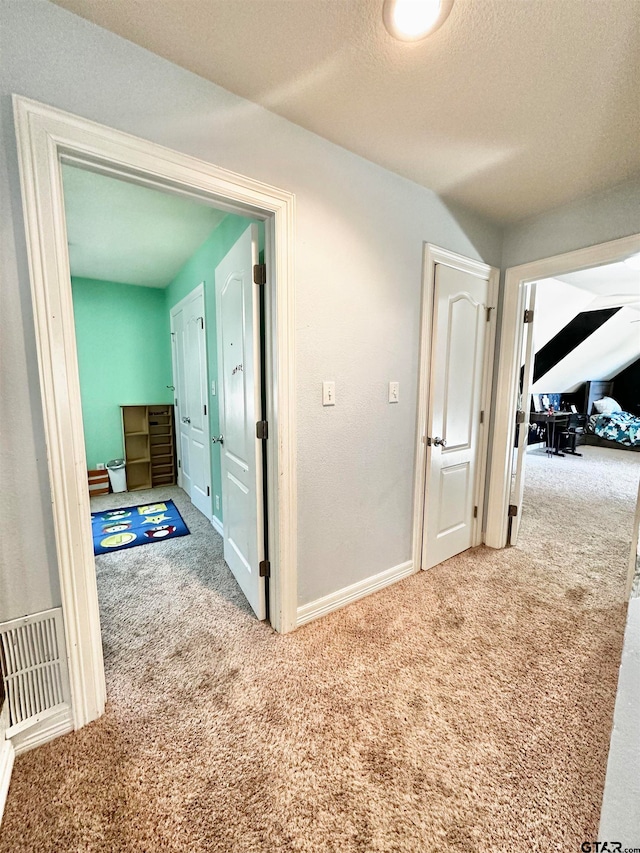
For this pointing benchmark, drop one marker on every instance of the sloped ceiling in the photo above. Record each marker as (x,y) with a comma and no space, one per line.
(118,231)
(611,347)
(605,353)
(510,108)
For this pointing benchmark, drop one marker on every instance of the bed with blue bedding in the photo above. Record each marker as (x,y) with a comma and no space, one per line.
(612,427)
(621,427)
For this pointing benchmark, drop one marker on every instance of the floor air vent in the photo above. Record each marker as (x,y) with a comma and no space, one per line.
(34,668)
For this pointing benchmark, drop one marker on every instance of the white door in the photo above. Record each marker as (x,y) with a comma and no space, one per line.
(188,327)
(238,330)
(457,432)
(524,408)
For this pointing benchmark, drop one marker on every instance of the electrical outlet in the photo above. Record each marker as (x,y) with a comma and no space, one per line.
(217,502)
(394,392)
(328,393)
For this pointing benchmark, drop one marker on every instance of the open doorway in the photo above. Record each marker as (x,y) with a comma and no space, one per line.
(580,345)
(579,379)
(48,139)
(575,472)
(153,383)
(513,386)
(151,397)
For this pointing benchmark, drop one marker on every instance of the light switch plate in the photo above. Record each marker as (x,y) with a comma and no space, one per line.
(328,393)
(394,392)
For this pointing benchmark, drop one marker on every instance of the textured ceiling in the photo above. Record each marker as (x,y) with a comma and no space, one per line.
(615,284)
(511,108)
(118,231)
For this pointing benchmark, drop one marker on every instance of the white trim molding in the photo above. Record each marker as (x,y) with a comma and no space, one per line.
(347,595)
(432,256)
(217,525)
(46,138)
(180,395)
(7,755)
(511,328)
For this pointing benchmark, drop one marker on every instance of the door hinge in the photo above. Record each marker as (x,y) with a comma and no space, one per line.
(179,464)
(201,321)
(520,416)
(265,569)
(482,416)
(513,510)
(528,316)
(205,408)
(489,310)
(208,492)
(176,400)
(475,512)
(260,273)
(262,430)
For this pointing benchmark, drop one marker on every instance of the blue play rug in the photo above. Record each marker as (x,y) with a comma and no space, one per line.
(117,529)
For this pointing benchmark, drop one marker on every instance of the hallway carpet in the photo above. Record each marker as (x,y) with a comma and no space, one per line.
(467,708)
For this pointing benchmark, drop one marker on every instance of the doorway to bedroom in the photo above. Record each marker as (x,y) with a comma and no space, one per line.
(160,287)
(575,460)
(47,139)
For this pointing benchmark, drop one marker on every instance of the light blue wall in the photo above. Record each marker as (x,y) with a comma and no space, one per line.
(200,268)
(596,219)
(359,231)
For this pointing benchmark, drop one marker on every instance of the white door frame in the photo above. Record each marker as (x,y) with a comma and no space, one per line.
(528,350)
(433,255)
(511,328)
(198,290)
(46,137)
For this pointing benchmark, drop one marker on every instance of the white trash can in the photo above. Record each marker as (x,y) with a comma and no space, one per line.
(117,475)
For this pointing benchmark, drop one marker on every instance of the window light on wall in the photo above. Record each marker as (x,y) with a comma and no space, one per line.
(412,20)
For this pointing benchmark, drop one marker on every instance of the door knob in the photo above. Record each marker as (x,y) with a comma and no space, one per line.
(186,420)
(437,441)
(218,440)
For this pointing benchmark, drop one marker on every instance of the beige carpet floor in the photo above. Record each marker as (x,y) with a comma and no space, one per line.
(467,708)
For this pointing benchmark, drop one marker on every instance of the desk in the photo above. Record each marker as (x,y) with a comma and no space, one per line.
(558,426)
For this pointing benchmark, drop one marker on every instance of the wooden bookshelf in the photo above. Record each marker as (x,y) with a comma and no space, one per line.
(162,445)
(149,445)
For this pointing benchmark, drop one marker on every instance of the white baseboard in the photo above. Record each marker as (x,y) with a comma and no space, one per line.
(6,765)
(342,597)
(60,723)
(217,525)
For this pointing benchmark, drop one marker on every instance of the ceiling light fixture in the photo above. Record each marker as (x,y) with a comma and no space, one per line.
(412,20)
(633,261)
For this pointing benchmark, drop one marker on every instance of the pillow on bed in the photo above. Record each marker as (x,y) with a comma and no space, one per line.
(606,406)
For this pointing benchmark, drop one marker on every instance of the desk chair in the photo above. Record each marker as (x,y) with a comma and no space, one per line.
(567,435)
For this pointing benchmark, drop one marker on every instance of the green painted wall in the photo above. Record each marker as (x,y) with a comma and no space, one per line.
(201,267)
(124,356)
